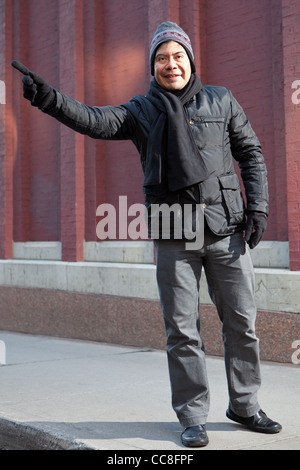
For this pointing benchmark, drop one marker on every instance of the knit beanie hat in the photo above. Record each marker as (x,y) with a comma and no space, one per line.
(169,31)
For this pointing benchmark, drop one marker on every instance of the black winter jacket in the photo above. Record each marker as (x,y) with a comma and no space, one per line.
(221,131)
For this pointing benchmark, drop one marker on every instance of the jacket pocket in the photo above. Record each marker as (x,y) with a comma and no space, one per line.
(212,120)
(232,198)
(208,131)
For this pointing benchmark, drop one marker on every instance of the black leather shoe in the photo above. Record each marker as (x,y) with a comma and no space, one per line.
(259,422)
(194,436)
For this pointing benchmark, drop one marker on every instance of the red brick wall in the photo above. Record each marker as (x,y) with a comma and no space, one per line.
(42,54)
(291,54)
(239,56)
(53,180)
(8,135)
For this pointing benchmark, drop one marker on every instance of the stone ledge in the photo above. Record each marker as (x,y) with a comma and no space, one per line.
(106,251)
(268,254)
(276,289)
(271,254)
(37,250)
(119,252)
(124,279)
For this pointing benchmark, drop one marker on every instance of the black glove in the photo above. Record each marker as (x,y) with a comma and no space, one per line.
(255,227)
(35,89)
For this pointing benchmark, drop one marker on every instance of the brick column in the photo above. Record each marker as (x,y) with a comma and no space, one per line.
(159,11)
(93,95)
(278,200)
(192,20)
(22,108)
(8,132)
(291,62)
(71,144)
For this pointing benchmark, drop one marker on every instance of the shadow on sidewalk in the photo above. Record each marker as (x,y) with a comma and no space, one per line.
(132,432)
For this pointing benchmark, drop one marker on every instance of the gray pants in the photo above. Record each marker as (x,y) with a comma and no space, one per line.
(230,277)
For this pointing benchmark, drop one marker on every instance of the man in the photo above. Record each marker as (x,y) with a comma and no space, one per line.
(187,134)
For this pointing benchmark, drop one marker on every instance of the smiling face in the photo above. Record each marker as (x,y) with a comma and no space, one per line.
(172,68)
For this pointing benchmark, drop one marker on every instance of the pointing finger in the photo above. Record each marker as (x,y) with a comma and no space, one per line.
(17,65)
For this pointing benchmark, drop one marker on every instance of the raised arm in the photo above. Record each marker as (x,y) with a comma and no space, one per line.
(107,122)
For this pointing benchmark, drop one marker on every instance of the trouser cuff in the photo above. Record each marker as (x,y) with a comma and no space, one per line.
(245,412)
(192,421)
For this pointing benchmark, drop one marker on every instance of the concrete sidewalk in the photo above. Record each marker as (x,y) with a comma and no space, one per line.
(67,394)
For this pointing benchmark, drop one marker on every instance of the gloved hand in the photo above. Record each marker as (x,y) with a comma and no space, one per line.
(35,89)
(255,227)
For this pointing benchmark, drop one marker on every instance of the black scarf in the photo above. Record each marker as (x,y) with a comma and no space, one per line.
(173,158)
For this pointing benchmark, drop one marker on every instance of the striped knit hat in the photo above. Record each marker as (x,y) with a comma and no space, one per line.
(169,31)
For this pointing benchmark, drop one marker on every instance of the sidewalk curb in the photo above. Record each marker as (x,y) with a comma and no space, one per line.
(23,436)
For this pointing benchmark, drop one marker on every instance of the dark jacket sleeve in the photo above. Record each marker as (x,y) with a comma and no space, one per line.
(107,122)
(246,149)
